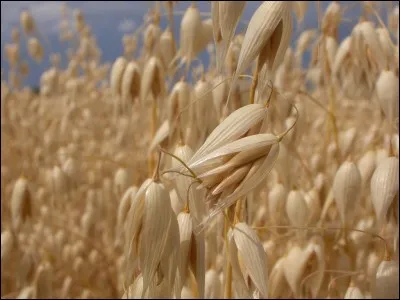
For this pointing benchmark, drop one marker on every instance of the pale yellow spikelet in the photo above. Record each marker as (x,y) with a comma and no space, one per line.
(294,266)
(273,52)
(387,278)
(79,20)
(331,49)
(251,252)
(135,289)
(55,59)
(346,141)
(168,268)
(206,35)
(233,127)
(384,186)
(26,268)
(12,53)
(24,69)
(332,18)
(86,294)
(15,36)
(27,292)
(353,292)
(66,287)
(7,244)
(206,119)
(57,180)
(277,283)
(212,285)
(385,41)
(366,166)
(216,27)
(396,246)
(35,49)
(268,34)
(176,203)
(186,231)
(185,186)
(21,203)
(276,202)
(314,205)
(229,13)
(259,169)
(387,90)
(395,144)
(303,42)
(297,209)
(151,38)
(160,136)
(130,85)
(191,27)
(359,238)
(121,181)
(87,223)
(300,9)
(156,218)
(219,95)
(152,79)
(346,190)
(27,22)
(123,209)
(167,45)
(180,97)
(70,169)
(116,75)
(372,40)
(43,281)
(316,265)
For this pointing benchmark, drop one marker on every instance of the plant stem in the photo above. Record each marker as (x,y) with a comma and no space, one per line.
(254,84)
(153,132)
(171,23)
(228,269)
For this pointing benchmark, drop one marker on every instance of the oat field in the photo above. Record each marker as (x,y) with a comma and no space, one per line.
(157,175)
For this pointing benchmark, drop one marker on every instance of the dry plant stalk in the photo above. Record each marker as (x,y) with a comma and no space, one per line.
(247,199)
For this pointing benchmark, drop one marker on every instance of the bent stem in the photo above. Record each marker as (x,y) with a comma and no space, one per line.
(386,253)
(182,162)
(341,276)
(346,273)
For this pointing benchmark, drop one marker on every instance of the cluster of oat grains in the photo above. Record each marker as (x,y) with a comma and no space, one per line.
(158,176)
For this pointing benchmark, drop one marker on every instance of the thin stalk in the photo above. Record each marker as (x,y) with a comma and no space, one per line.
(153,133)
(254,83)
(238,209)
(296,153)
(170,5)
(313,100)
(228,268)
(181,161)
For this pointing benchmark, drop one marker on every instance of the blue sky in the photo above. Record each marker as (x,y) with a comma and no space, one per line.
(110,20)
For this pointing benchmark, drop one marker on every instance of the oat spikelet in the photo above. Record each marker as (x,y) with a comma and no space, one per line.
(21,203)
(265,36)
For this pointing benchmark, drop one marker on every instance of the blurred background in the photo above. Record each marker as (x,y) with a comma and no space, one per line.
(110,20)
